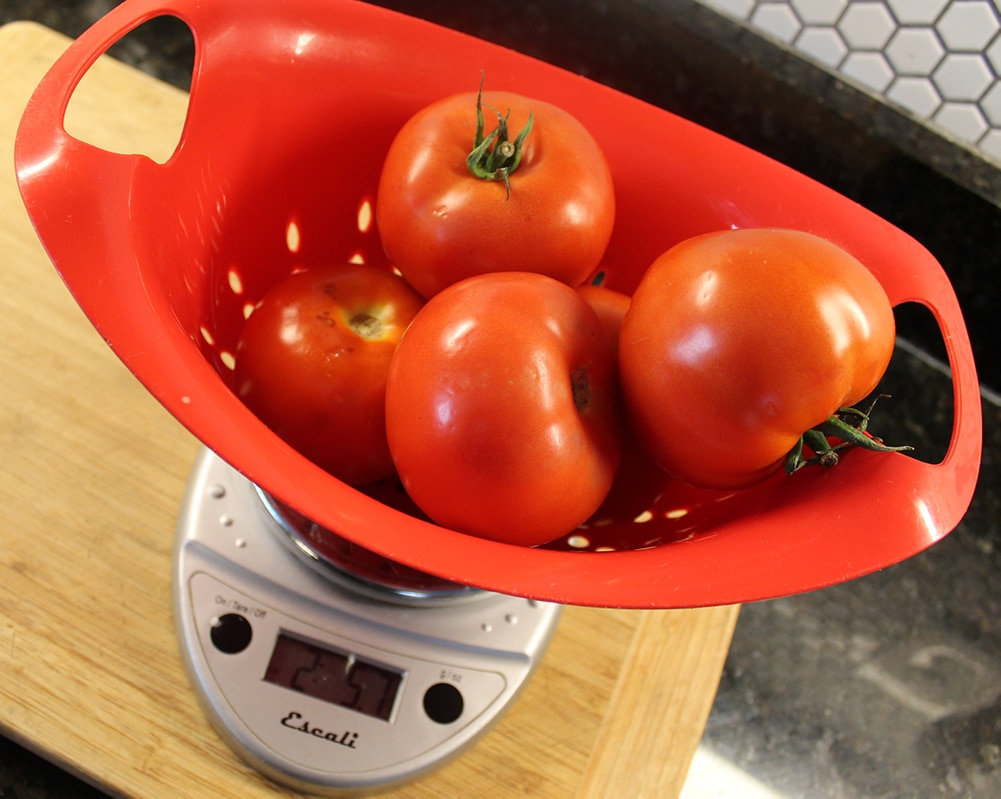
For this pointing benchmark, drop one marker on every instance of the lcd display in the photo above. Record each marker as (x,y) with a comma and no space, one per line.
(341,679)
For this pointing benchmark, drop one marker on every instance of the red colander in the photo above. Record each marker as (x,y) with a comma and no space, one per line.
(291,110)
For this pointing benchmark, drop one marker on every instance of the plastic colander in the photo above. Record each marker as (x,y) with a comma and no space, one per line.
(292,106)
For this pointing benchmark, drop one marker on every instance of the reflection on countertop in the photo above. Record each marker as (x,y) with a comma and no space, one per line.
(887,686)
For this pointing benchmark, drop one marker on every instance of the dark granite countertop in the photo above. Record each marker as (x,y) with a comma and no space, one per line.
(886,686)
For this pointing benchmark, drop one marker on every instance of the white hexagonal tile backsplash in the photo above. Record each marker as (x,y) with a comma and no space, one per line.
(938,60)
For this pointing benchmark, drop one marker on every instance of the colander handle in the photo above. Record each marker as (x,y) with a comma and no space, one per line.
(76,193)
(43,143)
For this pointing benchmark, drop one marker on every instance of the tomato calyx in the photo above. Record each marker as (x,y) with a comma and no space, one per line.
(494,156)
(849,425)
(366,325)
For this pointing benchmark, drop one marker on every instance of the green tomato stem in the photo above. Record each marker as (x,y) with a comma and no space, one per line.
(849,426)
(494,156)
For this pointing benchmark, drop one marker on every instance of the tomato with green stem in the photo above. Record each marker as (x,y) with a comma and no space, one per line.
(529,192)
(744,350)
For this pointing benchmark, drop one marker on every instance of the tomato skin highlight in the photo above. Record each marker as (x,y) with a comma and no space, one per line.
(502,408)
(737,342)
(439,224)
(313,359)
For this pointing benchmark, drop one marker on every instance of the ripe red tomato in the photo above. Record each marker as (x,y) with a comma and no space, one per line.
(610,305)
(639,481)
(551,211)
(738,342)
(312,362)
(502,408)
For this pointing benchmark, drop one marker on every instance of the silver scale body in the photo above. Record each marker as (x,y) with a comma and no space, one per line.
(234,562)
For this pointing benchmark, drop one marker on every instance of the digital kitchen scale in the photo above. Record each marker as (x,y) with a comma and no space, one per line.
(322,673)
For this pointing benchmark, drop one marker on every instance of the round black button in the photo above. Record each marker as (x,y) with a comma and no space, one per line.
(231,633)
(443,703)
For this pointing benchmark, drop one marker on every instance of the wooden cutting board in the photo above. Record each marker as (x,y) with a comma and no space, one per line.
(91,478)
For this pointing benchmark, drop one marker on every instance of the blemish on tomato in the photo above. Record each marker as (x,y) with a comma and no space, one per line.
(581,387)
